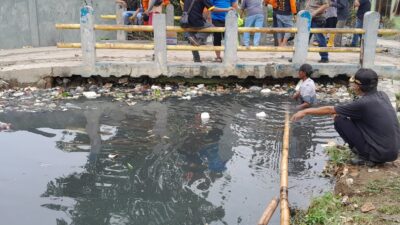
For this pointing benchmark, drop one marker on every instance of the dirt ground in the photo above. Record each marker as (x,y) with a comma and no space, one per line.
(369,195)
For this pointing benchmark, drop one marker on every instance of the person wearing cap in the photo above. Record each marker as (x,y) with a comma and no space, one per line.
(368,124)
(305,90)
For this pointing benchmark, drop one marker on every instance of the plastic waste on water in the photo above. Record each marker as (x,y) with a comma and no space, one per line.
(261,115)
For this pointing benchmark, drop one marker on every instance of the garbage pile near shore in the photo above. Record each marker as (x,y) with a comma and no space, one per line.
(61,97)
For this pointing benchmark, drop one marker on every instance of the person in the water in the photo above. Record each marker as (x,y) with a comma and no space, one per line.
(305,90)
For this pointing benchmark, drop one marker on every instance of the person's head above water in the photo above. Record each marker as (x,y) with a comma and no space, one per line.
(305,71)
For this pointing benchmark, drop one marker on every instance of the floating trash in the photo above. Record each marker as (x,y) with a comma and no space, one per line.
(265,91)
(261,115)
(90,94)
(155,87)
(112,155)
(255,88)
(329,144)
(205,116)
(129,166)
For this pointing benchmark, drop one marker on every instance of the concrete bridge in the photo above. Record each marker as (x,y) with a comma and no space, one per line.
(31,65)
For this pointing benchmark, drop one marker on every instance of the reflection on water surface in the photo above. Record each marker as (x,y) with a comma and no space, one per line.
(156,162)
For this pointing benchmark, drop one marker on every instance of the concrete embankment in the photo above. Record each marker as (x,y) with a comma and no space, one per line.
(30,65)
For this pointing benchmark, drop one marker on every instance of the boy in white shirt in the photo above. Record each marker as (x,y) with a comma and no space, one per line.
(306,92)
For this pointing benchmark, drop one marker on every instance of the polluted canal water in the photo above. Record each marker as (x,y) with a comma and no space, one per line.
(157,162)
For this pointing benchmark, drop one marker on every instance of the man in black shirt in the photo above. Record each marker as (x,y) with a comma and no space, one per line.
(363,7)
(369,124)
(197,20)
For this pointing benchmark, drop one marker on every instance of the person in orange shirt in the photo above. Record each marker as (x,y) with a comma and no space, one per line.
(154,7)
(284,10)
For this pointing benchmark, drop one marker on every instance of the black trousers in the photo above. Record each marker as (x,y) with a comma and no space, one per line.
(218,35)
(331,22)
(352,135)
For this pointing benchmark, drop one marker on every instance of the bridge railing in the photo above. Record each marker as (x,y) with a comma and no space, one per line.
(300,49)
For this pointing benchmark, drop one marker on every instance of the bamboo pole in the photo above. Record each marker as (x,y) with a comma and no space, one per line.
(67,26)
(337,30)
(222,29)
(388,31)
(178,29)
(265,49)
(285,214)
(108,17)
(109,46)
(194,48)
(208,48)
(124,27)
(268,212)
(113,17)
(334,49)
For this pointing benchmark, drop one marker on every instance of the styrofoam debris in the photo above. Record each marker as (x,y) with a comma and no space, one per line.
(261,115)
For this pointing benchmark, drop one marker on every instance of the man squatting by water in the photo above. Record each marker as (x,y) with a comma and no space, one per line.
(368,124)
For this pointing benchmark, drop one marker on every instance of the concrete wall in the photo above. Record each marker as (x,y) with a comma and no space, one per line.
(31,22)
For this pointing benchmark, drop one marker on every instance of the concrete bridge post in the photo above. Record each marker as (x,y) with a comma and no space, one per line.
(369,40)
(170,14)
(302,37)
(264,38)
(172,37)
(160,42)
(119,9)
(231,38)
(88,38)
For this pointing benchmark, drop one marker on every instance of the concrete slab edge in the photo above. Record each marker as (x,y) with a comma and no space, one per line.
(188,70)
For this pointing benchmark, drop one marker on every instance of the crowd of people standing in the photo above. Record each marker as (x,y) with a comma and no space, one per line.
(211,13)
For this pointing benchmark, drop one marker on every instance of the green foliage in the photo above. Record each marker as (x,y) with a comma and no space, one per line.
(323,210)
(66,94)
(338,156)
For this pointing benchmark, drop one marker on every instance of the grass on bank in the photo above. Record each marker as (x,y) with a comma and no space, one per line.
(338,155)
(323,210)
(331,209)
